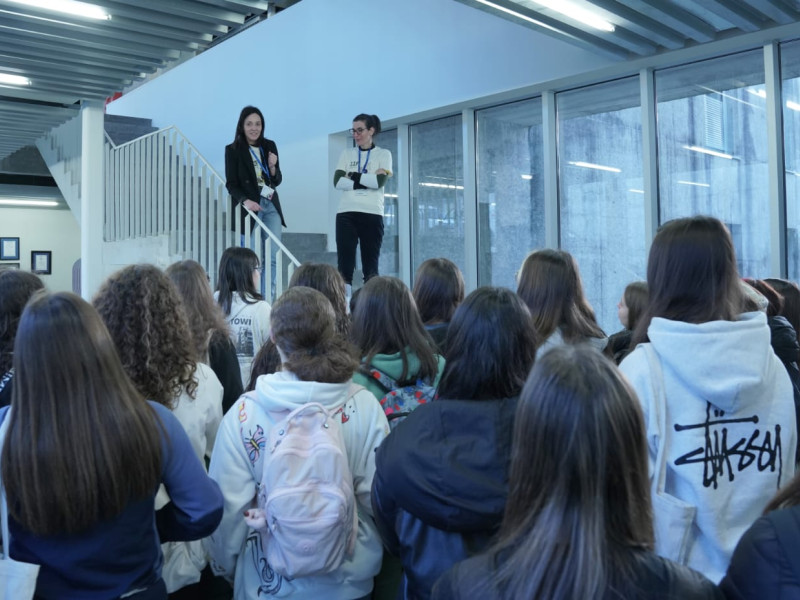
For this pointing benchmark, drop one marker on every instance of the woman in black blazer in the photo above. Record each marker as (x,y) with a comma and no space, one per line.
(252,172)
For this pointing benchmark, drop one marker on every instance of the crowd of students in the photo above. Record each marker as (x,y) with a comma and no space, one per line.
(497,445)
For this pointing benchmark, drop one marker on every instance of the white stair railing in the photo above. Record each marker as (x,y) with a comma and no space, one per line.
(159,184)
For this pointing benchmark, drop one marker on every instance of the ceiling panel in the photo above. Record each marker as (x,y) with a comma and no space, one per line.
(70,58)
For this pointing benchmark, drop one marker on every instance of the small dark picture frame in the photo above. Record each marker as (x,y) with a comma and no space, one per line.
(41,262)
(9,248)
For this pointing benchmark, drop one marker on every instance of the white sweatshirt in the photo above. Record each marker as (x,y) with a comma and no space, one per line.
(730,426)
(237,463)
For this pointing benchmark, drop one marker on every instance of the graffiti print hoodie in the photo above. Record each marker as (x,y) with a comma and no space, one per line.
(730,430)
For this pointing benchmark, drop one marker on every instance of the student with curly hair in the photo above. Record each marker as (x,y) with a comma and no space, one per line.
(82,457)
(245,309)
(146,319)
(16,288)
(210,332)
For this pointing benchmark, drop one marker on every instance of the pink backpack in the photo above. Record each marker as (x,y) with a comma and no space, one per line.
(306,511)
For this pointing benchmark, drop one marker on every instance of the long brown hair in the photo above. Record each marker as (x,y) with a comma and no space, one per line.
(304,329)
(386,321)
(82,443)
(326,279)
(438,290)
(579,497)
(636,297)
(16,288)
(146,319)
(691,275)
(204,316)
(550,284)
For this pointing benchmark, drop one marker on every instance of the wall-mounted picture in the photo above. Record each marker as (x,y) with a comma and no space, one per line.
(8,266)
(9,248)
(41,261)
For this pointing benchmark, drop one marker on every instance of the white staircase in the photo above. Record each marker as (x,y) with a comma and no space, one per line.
(159,185)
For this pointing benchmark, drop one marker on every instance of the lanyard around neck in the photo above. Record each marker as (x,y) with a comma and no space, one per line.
(365,162)
(261,164)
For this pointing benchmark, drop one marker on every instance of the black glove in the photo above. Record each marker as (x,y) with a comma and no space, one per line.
(356,177)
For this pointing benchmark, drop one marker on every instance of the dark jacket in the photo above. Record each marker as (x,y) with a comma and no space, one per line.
(652,578)
(241,179)
(440,485)
(761,567)
(786,347)
(619,345)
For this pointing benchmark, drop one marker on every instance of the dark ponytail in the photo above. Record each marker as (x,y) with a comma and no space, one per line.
(370,121)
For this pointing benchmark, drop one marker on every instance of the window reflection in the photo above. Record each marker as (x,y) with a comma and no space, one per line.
(389,259)
(437,191)
(712,150)
(601,190)
(510,189)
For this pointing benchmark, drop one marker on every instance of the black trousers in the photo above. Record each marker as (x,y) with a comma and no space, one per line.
(353,228)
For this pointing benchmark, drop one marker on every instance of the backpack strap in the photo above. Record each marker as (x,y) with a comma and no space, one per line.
(381,378)
(785,525)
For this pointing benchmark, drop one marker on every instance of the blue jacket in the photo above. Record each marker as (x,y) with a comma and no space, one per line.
(762,566)
(124,553)
(441,484)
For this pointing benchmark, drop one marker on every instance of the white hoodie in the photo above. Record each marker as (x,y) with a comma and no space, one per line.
(236,464)
(730,426)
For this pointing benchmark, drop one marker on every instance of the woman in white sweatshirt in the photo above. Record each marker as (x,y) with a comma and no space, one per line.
(717,401)
(317,366)
(245,309)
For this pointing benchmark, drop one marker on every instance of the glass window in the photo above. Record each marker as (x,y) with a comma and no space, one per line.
(389,264)
(790,72)
(712,150)
(510,189)
(437,191)
(600,190)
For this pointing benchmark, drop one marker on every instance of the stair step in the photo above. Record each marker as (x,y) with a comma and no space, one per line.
(123,129)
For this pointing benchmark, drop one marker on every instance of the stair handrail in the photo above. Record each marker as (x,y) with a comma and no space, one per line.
(163,131)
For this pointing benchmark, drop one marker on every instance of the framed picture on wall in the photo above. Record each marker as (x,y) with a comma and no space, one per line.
(8,266)
(41,261)
(9,248)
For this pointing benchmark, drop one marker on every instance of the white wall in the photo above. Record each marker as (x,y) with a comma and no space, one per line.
(314,66)
(44,229)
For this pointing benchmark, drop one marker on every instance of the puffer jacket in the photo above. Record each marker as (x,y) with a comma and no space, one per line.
(441,485)
(762,566)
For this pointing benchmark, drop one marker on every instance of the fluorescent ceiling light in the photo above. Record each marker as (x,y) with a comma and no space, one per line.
(759,93)
(709,151)
(446,186)
(23,202)
(792,105)
(390,196)
(528,177)
(517,14)
(635,191)
(14,79)
(705,185)
(576,12)
(70,7)
(586,165)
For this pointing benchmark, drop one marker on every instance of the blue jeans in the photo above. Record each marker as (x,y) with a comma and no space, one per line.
(270,217)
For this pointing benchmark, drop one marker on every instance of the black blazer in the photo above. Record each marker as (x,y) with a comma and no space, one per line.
(241,180)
